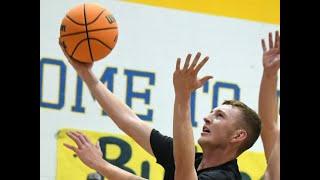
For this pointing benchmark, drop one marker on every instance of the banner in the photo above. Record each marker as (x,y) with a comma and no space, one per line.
(124,152)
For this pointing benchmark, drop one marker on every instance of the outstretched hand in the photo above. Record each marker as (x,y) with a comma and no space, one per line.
(271,56)
(88,153)
(185,80)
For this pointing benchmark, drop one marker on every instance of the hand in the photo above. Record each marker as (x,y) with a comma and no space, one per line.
(271,57)
(88,153)
(78,66)
(185,80)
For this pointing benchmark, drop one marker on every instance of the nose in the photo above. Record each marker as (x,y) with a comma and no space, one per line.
(206,120)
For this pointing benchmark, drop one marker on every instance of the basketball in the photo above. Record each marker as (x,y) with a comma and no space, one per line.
(88,32)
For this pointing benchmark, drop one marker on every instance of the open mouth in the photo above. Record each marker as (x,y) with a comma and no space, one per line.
(205,130)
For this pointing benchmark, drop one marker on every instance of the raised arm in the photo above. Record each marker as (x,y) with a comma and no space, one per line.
(273,168)
(185,81)
(91,156)
(268,106)
(119,112)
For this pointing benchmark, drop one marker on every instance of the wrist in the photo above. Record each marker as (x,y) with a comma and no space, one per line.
(101,165)
(183,96)
(84,72)
(182,99)
(88,77)
(270,76)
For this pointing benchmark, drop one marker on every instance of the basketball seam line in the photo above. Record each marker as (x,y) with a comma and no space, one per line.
(74,50)
(74,21)
(101,43)
(81,24)
(85,21)
(96,18)
(75,33)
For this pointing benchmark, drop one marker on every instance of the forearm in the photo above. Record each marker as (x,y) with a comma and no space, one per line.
(273,167)
(268,105)
(114,173)
(119,112)
(268,111)
(183,142)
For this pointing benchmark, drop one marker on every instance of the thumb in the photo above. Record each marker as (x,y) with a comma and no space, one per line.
(205,79)
(98,145)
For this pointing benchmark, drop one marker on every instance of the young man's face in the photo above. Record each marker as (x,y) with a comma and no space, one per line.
(219,126)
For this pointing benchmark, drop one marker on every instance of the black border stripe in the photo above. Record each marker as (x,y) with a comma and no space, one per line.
(85,20)
(75,33)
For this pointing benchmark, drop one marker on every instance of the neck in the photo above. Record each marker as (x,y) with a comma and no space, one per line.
(215,157)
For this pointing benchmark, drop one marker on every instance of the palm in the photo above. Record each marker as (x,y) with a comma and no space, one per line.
(271,56)
(185,79)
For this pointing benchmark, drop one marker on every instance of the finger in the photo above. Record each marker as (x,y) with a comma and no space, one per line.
(201,64)
(62,45)
(205,79)
(64,50)
(74,149)
(279,42)
(195,61)
(186,64)
(270,41)
(178,64)
(85,137)
(75,139)
(81,138)
(276,44)
(263,45)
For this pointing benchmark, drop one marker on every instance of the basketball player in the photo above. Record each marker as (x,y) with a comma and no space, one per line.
(268,107)
(229,130)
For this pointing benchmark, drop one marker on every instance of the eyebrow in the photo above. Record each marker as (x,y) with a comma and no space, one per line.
(220,111)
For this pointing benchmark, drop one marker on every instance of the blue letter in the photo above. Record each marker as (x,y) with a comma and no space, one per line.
(77,107)
(145,95)
(108,76)
(125,152)
(62,84)
(193,102)
(218,85)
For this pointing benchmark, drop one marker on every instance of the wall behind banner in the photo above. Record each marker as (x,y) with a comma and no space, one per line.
(139,69)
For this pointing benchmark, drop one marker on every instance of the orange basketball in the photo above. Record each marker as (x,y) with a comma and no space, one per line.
(88,32)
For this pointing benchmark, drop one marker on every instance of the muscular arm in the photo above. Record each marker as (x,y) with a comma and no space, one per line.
(183,142)
(114,173)
(119,112)
(268,106)
(185,81)
(273,168)
(268,111)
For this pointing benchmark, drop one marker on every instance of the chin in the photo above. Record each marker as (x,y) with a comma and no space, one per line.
(201,141)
